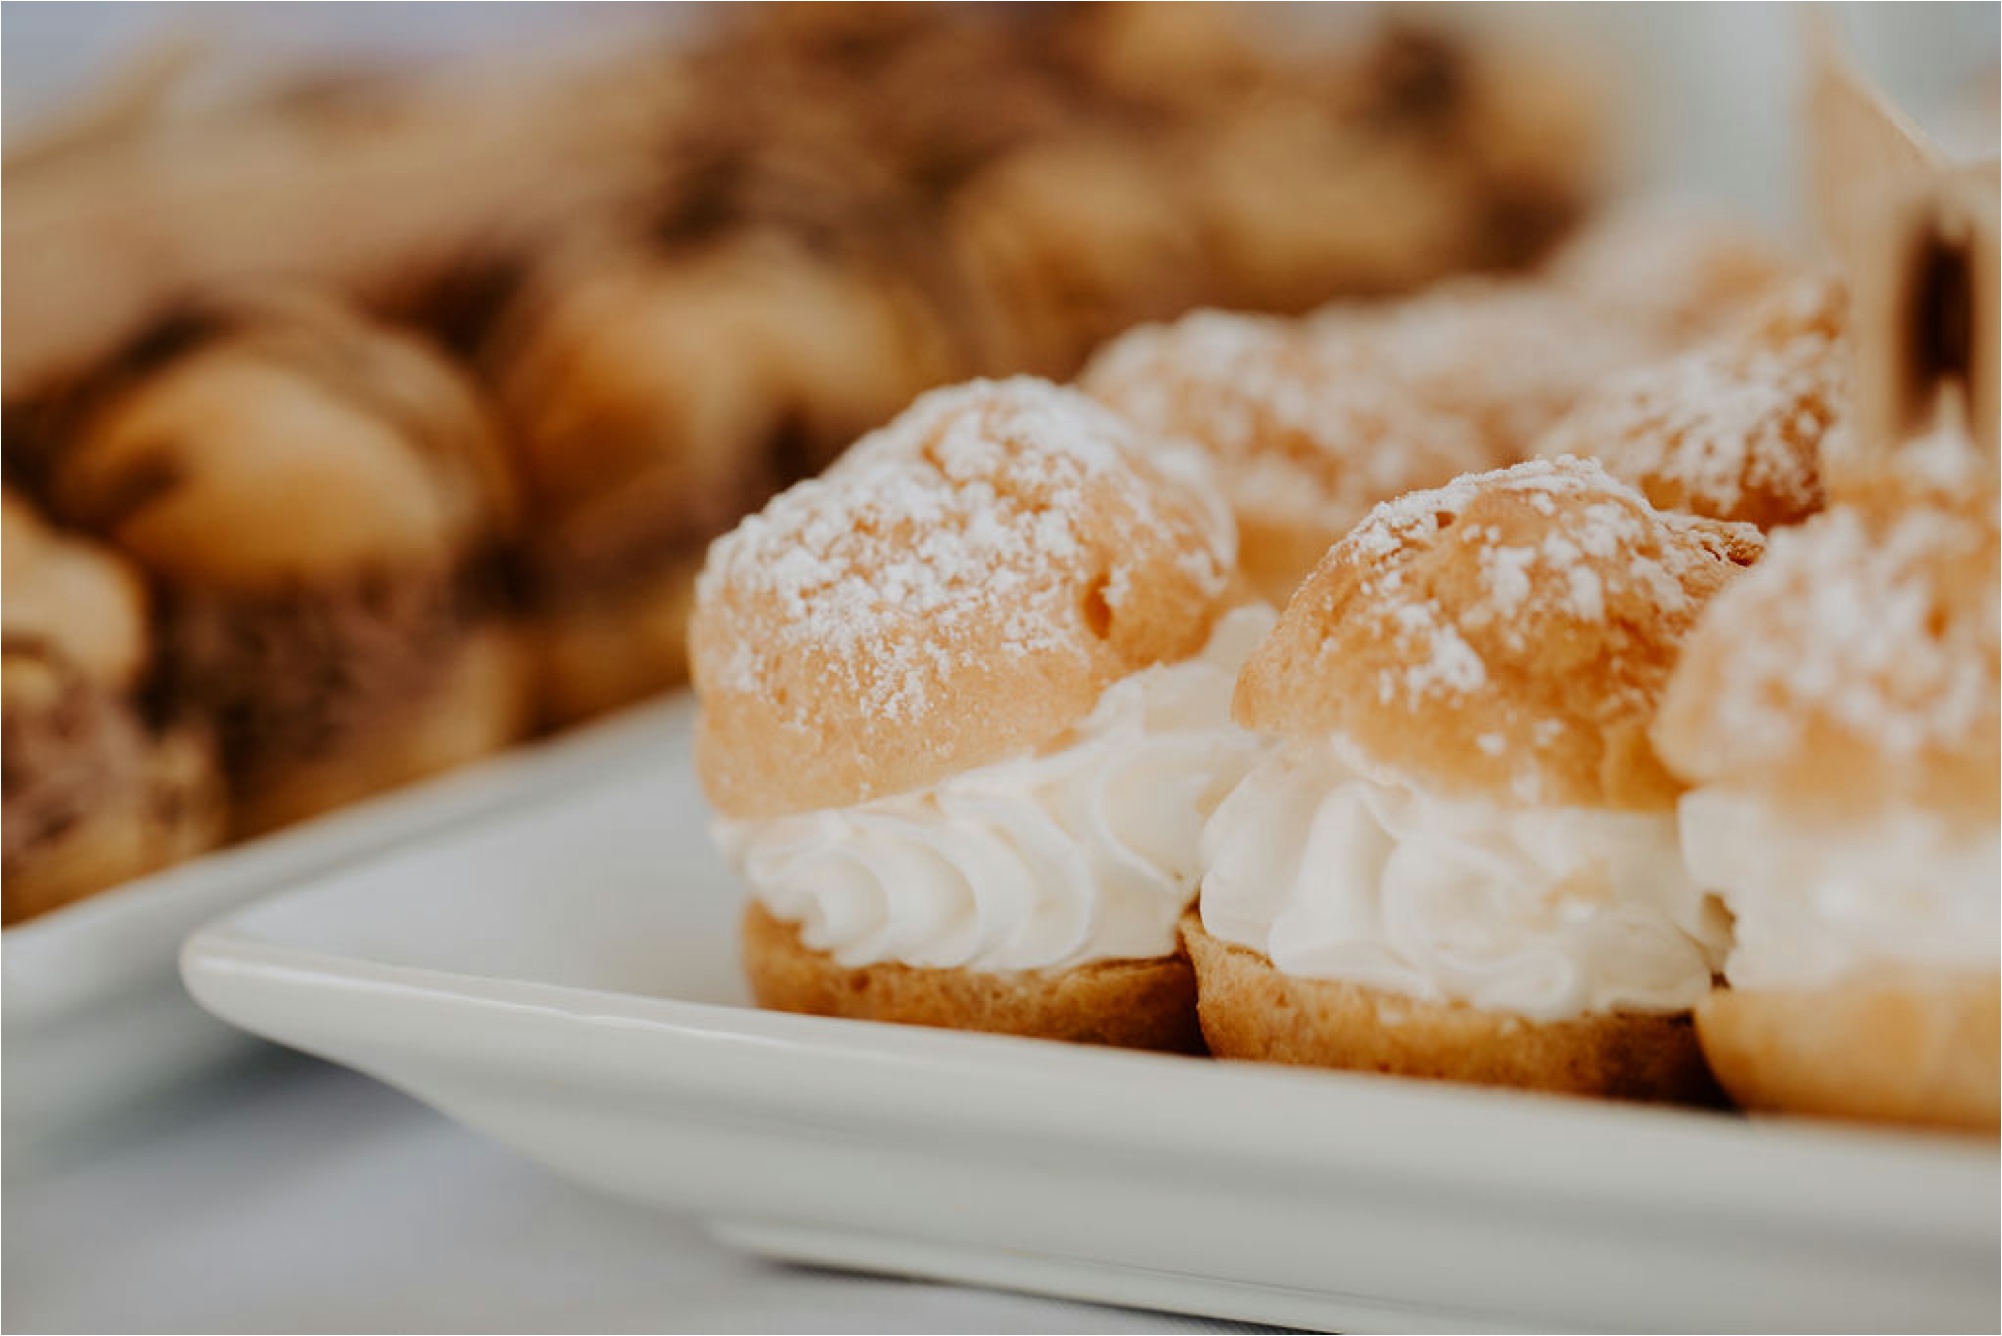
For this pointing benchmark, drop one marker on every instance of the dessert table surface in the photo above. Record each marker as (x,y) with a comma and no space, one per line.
(291,1195)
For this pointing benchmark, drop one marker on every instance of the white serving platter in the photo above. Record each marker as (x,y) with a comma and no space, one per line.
(92,1012)
(563,978)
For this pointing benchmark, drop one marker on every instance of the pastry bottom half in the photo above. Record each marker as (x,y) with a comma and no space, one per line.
(478,706)
(1911,1050)
(1147,1004)
(1250,1009)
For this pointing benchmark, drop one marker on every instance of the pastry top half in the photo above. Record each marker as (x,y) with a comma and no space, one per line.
(959,588)
(1733,428)
(1853,672)
(1509,357)
(1302,433)
(1939,469)
(249,443)
(71,596)
(1505,637)
(1677,271)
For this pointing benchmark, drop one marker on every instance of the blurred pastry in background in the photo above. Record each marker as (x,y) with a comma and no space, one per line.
(1305,436)
(1462,862)
(1062,246)
(1676,272)
(1057,174)
(1538,122)
(1509,357)
(1301,208)
(1513,355)
(322,504)
(94,793)
(1734,428)
(1837,714)
(654,398)
(1381,163)
(1938,469)
(350,177)
(927,95)
(1921,428)
(964,709)
(1164,61)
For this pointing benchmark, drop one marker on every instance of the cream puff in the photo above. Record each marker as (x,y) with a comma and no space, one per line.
(1733,429)
(1064,244)
(1510,357)
(1462,860)
(1836,713)
(1379,165)
(1941,469)
(1672,271)
(321,503)
(1305,436)
(964,708)
(92,793)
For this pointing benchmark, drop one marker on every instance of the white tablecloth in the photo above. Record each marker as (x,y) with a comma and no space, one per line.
(299,1197)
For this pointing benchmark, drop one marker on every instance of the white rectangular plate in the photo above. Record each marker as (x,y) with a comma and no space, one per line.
(94,1012)
(564,979)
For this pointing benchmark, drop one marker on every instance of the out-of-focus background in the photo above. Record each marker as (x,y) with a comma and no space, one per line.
(1713,85)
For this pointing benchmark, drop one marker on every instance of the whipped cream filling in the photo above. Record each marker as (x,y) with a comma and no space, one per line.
(1088,851)
(1816,904)
(1548,913)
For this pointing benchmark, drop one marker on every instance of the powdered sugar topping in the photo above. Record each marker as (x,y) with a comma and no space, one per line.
(1509,357)
(1666,265)
(1724,431)
(1943,463)
(964,529)
(1855,623)
(1305,430)
(1603,542)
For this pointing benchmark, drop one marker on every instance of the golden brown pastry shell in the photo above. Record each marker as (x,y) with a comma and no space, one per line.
(1250,1009)
(1909,1050)
(1146,1004)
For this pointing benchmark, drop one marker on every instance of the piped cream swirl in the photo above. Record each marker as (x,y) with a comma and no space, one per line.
(1088,851)
(1814,906)
(1548,913)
